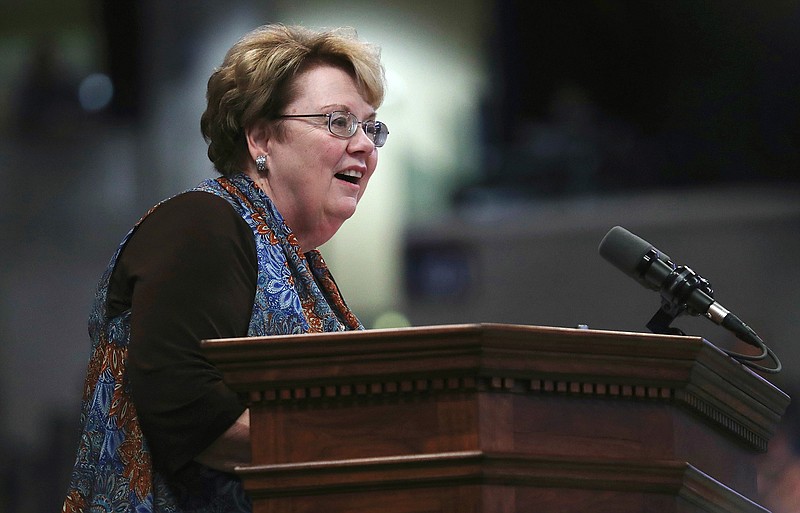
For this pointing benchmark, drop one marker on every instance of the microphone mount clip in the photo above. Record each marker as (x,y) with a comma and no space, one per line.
(677,299)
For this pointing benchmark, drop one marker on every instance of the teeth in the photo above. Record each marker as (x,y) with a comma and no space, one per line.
(352,172)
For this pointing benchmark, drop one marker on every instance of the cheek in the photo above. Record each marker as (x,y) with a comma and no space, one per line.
(372,161)
(334,151)
(321,156)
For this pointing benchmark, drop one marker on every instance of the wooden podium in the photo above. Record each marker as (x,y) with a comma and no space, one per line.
(493,418)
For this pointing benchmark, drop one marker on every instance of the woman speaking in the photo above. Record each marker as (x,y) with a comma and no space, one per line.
(291,127)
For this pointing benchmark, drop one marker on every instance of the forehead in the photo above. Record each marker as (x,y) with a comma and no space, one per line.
(325,86)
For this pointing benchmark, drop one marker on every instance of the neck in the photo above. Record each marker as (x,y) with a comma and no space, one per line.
(306,239)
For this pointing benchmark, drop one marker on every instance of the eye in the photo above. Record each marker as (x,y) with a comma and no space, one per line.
(341,121)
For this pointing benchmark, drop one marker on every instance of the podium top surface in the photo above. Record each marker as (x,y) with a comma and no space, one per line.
(483,346)
(685,369)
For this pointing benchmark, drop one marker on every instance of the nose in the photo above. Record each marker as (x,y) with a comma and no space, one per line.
(360,142)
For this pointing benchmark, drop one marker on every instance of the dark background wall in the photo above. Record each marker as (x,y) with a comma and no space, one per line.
(656,93)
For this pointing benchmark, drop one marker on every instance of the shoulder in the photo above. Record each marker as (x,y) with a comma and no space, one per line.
(183,242)
(195,213)
(196,223)
(194,204)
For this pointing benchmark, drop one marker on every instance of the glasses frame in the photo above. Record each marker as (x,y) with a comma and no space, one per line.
(378,127)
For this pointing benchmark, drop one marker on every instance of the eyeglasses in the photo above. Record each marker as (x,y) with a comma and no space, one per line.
(344,125)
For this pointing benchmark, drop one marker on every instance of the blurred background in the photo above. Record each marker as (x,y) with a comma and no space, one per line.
(521,132)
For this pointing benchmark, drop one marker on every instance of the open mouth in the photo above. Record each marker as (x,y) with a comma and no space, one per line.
(350,175)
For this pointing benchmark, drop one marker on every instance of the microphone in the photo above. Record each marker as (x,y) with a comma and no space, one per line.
(682,289)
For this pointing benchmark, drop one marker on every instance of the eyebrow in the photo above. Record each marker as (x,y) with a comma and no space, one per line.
(339,106)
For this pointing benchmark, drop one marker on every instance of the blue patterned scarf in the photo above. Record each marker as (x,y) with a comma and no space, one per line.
(113,470)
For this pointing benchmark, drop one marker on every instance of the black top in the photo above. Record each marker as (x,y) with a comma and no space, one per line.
(188,273)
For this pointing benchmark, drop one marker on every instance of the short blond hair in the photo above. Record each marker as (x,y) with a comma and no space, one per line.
(256,79)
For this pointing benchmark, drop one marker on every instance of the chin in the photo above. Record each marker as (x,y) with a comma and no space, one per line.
(346,209)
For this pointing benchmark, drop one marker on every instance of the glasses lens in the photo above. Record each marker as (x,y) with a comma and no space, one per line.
(343,124)
(377,131)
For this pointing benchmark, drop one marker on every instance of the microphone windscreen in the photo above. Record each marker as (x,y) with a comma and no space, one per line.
(625,250)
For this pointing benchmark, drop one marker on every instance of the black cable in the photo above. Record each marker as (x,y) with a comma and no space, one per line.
(750,337)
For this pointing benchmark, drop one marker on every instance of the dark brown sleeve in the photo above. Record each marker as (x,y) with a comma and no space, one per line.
(190,273)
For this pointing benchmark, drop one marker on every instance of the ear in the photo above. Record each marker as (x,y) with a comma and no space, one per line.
(257,137)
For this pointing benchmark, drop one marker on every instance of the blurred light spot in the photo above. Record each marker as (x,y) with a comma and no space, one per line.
(95,92)
(396,89)
(391,319)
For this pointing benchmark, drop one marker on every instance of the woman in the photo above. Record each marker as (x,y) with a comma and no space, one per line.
(290,124)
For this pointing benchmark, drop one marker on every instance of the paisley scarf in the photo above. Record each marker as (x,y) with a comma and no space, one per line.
(113,470)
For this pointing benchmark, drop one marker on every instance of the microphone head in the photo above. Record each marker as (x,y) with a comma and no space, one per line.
(625,250)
